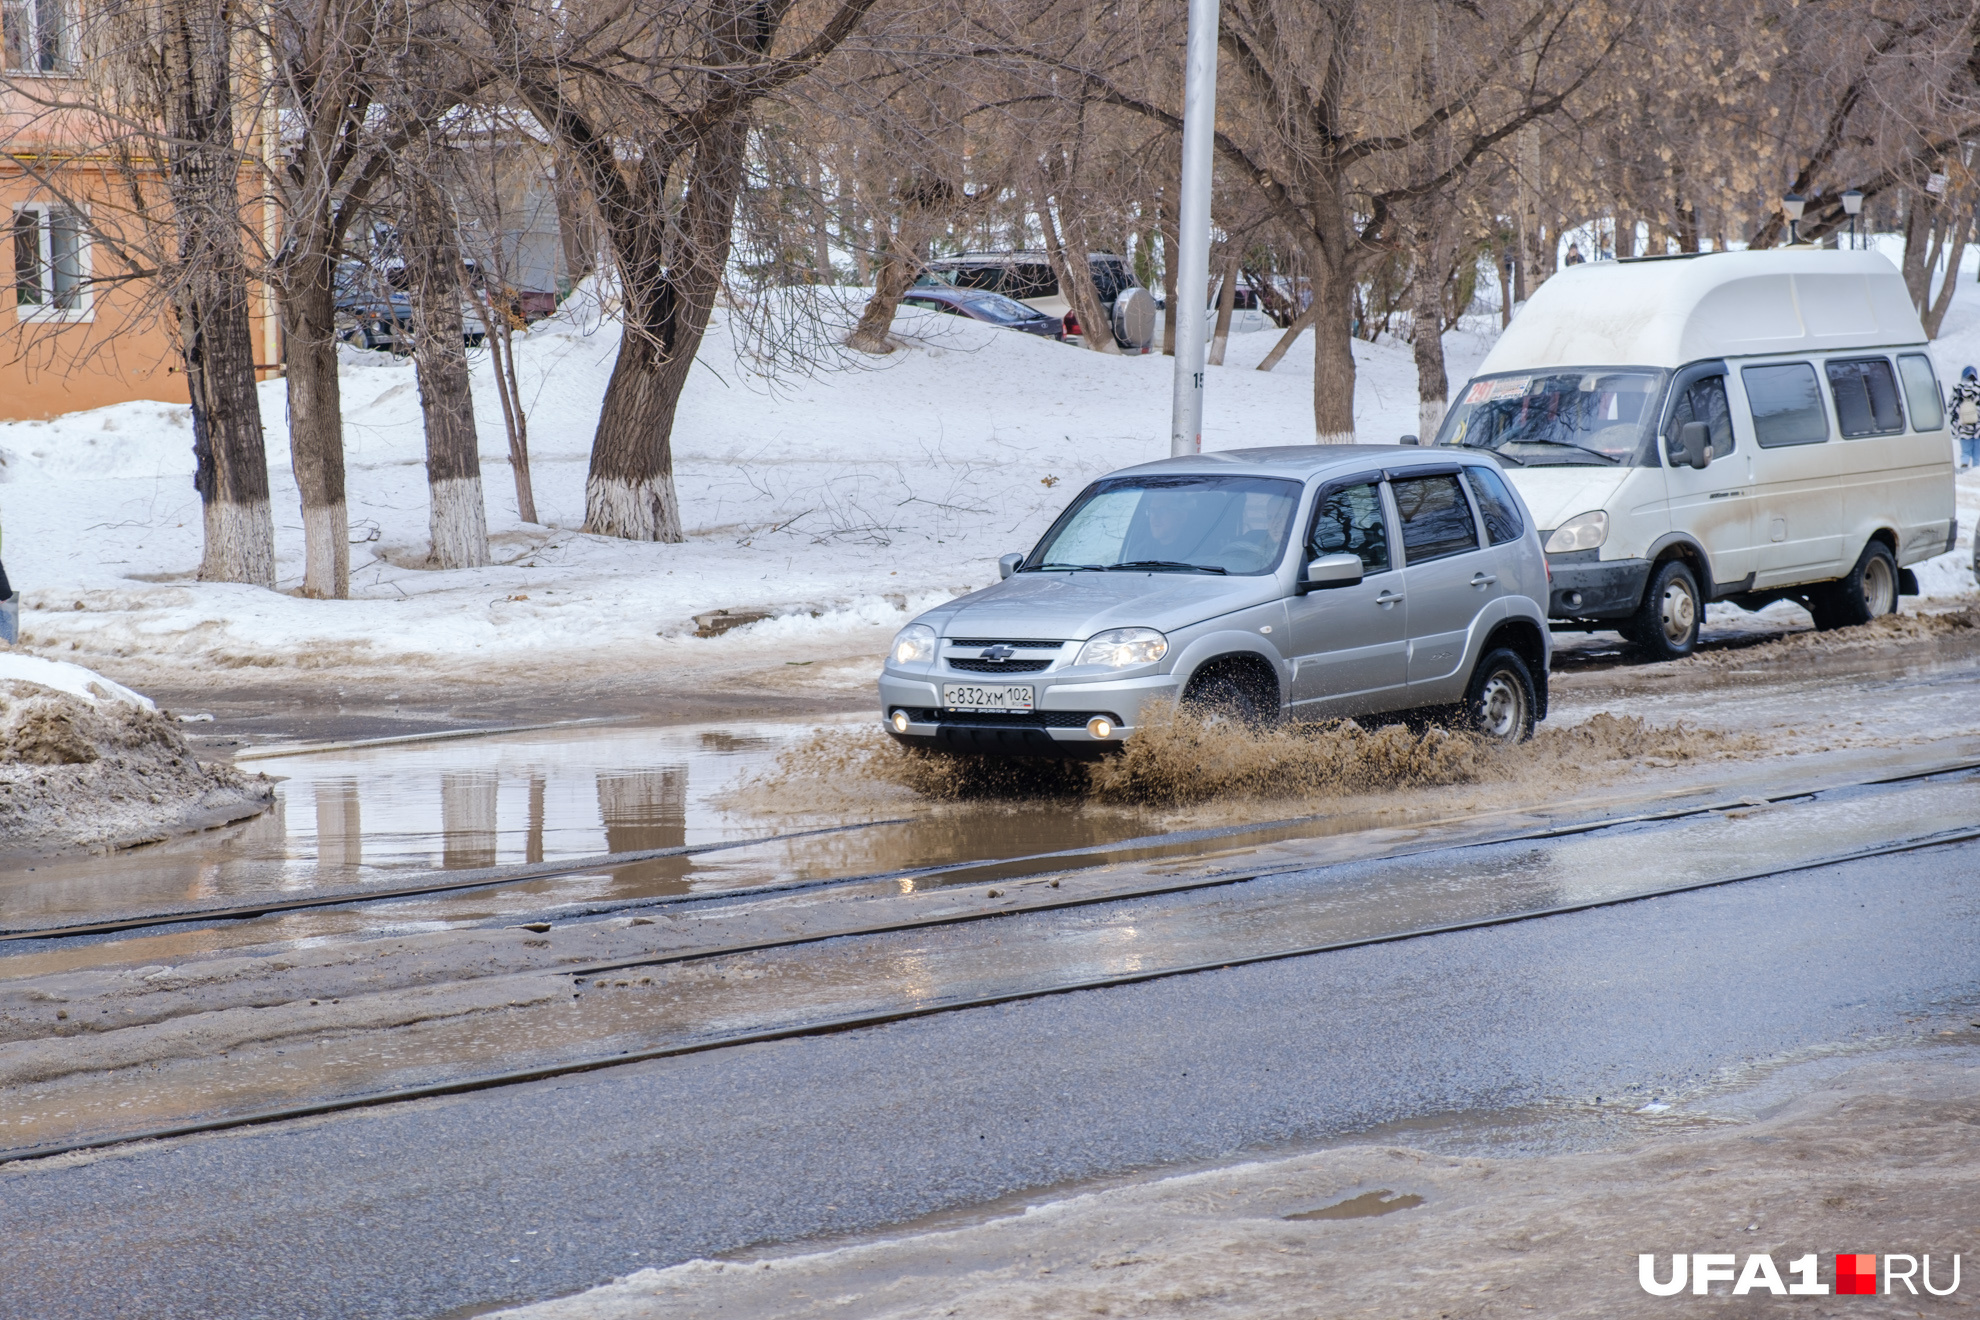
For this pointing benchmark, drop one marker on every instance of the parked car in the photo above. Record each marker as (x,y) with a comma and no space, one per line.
(1737,426)
(1311,581)
(373,313)
(982,305)
(1028,278)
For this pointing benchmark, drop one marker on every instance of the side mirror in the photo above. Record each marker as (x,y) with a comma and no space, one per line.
(1409,440)
(1330,571)
(1692,446)
(1009,564)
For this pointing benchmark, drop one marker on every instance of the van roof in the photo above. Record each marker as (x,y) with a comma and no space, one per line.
(1717,304)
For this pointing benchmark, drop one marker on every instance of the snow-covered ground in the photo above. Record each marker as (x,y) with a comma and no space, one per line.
(848,498)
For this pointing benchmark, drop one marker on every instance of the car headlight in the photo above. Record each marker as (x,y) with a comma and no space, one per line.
(914,644)
(1584,531)
(1121,647)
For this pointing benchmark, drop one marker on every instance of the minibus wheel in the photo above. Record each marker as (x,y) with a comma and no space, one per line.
(1870,590)
(1665,626)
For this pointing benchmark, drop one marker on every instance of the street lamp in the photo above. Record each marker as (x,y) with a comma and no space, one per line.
(1853,203)
(1793,204)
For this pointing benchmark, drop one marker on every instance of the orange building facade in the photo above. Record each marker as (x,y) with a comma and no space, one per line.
(77,329)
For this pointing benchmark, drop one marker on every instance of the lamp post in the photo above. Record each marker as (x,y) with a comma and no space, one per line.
(1853,203)
(1793,204)
(1193,225)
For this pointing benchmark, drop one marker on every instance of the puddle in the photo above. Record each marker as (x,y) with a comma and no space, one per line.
(1369,1205)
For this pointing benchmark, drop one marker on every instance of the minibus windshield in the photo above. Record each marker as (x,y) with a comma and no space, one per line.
(1551,418)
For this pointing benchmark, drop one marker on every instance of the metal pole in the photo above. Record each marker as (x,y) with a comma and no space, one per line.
(1193,226)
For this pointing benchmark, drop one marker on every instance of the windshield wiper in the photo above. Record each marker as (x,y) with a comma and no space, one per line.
(1169,564)
(1566,444)
(1514,459)
(1090,568)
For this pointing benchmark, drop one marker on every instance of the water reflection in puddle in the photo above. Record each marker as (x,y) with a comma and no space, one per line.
(370,816)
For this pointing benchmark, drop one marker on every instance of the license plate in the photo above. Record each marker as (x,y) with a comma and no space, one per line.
(968,696)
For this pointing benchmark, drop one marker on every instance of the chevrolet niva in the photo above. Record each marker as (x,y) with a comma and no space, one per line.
(1316,582)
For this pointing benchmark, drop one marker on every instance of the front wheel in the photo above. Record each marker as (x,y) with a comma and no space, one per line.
(1870,590)
(1499,702)
(1665,626)
(1227,697)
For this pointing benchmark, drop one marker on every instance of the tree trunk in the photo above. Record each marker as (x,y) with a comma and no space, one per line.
(1426,310)
(457,520)
(1075,275)
(575,229)
(899,265)
(1333,353)
(1226,302)
(1293,332)
(1918,229)
(1168,295)
(210,297)
(316,425)
(1962,225)
(670,294)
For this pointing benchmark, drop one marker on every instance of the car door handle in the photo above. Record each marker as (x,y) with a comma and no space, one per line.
(1484,580)
(1388,598)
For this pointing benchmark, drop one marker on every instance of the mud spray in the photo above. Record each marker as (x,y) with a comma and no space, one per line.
(1178,759)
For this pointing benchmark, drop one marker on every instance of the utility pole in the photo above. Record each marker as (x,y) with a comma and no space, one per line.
(1193,226)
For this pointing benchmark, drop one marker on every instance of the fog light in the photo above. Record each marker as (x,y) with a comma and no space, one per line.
(900,721)
(1100,727)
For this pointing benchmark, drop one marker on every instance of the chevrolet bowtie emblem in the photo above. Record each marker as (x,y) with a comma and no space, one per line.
(998,653)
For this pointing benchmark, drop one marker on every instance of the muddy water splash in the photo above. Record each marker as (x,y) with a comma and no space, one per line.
(1178,758)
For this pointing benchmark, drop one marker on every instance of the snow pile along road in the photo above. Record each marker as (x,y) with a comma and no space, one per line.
(85,762)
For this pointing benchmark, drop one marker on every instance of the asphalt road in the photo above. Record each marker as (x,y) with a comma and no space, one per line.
(449,1206)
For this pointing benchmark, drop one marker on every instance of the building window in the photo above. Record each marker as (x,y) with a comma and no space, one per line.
(32,37)
(51,263)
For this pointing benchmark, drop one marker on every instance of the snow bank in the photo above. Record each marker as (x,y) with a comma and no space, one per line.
(73,680)
(85,762)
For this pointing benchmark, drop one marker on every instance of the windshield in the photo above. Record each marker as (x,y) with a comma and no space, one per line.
(1004,311)
(1545,419)
(1202,524)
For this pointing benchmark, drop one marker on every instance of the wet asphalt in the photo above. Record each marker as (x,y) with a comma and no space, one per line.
(447,1207)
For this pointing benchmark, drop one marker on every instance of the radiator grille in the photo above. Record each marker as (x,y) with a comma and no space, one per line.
(973,666)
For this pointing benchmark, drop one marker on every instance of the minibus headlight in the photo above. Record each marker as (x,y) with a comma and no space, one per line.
(914,644)
(1584,531)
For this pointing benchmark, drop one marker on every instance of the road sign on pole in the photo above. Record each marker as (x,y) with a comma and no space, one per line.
(1193,225)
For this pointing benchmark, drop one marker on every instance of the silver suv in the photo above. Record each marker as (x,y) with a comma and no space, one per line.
(1320,581)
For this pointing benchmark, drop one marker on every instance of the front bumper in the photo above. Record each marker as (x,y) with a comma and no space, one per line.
(1610,589)
(1056,726)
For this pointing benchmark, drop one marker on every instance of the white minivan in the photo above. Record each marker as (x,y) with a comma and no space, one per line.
(1738,426)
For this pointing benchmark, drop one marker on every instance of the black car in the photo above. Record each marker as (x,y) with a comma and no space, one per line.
(983,305)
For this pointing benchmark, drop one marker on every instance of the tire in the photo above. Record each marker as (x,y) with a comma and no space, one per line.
(1499,701)
(1228,696)
(1665,626)
(1870,589)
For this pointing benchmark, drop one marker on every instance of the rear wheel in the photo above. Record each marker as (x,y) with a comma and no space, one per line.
(1665,626)
(1499,702)
(1870,590)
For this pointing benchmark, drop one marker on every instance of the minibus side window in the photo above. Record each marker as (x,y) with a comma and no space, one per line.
(1921,391)
(1704,400)
(1866,397)
(1787,405)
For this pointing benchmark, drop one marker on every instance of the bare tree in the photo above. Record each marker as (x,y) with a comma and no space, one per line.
(653,107)
(457,519)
